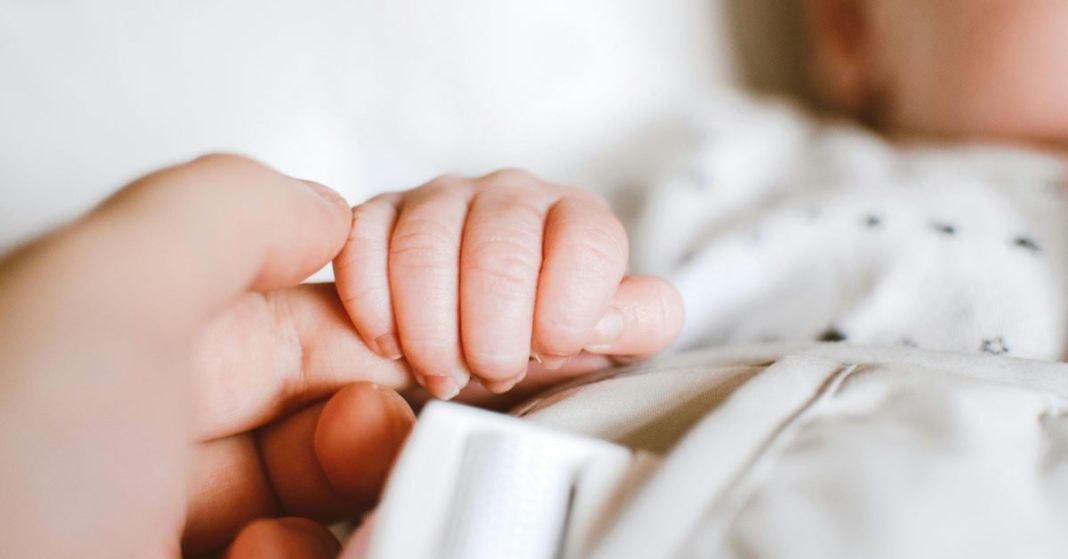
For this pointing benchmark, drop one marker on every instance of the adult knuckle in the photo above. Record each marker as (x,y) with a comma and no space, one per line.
(226,178)
(233,171)
(213,170)
(224,159)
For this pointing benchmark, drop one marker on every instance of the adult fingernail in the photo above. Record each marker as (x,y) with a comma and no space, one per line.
(389,346)
(325,193)
(608,329)
(442,387)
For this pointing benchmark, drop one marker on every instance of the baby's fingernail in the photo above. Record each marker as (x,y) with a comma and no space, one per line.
(608,329)
(461,377)
(553,362)
(500,386)
(442,387)
(388,346)
(548,362)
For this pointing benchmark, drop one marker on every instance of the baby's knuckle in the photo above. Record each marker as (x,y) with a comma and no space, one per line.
(424,246)
(599,244)
(506,257)
(528,217)
(585,196)
(512,177)
(445,183)
(503,282)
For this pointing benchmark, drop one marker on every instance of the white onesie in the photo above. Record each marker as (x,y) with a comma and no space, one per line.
(778,226)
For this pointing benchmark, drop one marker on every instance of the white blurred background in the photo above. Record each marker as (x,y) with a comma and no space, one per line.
(364,95)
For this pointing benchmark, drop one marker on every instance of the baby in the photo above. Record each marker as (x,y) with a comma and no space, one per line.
(940,227)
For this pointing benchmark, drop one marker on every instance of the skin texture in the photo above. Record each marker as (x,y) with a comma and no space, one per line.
(961,69)
(167,387)
(475,277)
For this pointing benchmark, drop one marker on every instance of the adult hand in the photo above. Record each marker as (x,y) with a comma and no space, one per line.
(164,383)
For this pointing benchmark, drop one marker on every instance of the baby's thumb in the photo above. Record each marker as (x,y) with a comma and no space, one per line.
(645,316)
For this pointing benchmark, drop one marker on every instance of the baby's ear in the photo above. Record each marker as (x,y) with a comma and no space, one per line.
(843,45)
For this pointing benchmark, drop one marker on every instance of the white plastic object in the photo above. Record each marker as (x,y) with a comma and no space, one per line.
(474,484)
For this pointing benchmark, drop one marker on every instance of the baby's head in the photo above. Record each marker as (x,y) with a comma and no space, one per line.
(977,69)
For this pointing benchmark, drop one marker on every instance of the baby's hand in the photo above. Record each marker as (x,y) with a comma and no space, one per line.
(477,277)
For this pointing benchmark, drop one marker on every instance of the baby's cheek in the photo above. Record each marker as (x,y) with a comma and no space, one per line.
(996,73)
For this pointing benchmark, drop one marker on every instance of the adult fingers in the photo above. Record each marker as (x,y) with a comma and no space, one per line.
(326,462)
(330,462)
(644,317)
(227,488)
(261,229)
(424,278)
(362,274)
(284,538)
(100,315)
(359,544)
(268,354)
(357,466)
(499,266)
(176,245)
(585,258)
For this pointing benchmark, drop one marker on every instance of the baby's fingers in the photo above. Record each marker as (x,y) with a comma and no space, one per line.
(585,258)
(643,318)
(424,277)
(499,266)
(361,271)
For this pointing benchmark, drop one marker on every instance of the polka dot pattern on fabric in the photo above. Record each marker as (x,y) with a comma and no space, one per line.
(818,230)
(995,346)
(833,335)
(945,228)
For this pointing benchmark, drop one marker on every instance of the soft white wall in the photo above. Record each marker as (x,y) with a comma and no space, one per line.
(362,95)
